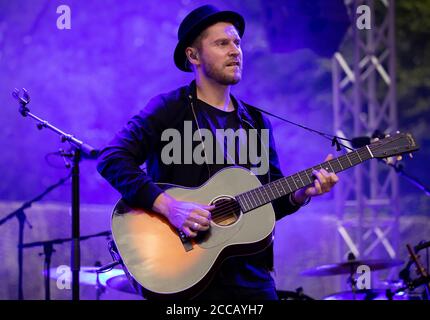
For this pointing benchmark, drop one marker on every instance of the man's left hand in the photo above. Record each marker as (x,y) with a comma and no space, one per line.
(323,183)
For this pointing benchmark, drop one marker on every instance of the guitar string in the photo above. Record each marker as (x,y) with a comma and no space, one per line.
(227,211)
(222,217)
(229,207)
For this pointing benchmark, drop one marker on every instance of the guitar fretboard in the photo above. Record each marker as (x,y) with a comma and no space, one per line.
(260,196)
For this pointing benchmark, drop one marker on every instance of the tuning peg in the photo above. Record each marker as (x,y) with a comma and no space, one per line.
(411,155)
(397,131)
(399,158)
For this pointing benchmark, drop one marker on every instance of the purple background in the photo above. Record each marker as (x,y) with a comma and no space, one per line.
(89,80)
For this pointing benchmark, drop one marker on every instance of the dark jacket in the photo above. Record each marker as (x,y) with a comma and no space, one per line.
(140,141)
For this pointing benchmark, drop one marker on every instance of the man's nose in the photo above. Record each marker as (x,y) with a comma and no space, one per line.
(234,50)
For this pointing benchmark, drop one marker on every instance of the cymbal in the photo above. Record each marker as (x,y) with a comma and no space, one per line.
(121,283)
(350,267)
(368,294)
(87,275)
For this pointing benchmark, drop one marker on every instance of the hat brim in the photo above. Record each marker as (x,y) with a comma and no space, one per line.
(221,16)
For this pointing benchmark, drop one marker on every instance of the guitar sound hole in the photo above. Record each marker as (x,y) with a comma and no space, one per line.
(226,212)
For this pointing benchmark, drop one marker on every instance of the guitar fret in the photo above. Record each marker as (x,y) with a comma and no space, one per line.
(356,158)
(248,205)
(250,199)
(294,182)
(277,190)
(257,197)
(287,184)
(358,155)
(340,163)
(300,179)
(309,176)
(304,178)
(260,196)
(282,186)
(332,170)
(267,194)
(242,201)
(254,197)
(262,199)
(349,159)
(270,189)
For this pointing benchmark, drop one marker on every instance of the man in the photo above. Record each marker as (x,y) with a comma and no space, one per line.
(210,46)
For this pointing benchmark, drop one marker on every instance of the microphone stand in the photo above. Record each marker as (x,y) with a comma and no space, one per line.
(22,219)
(413,180)
(48,249)
(79,149)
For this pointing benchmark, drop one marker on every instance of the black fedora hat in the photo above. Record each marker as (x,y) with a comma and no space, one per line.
(197,21)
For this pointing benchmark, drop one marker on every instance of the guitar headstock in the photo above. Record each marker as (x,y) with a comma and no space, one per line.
(394,145)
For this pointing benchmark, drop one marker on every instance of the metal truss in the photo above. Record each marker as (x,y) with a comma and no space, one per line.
(364,100)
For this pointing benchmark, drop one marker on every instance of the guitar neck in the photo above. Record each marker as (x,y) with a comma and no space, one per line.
(260,196)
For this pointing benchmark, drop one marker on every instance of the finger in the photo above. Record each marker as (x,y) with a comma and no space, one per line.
(317,187)
(325,173)
(319,176)
(311,191)
(329,157)
(189,232)
(334,178)
(197,212)
(198,219)
(196,226)
(200,227)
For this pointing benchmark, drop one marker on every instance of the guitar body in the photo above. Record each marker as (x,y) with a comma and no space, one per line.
(157,259)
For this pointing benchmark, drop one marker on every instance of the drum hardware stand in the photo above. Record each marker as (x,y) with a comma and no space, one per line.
(423,279)
(99,288)
(79,149)
(48,249)
(22,219)
(351,281)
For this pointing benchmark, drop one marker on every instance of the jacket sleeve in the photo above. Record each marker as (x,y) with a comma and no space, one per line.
(119,162)
(282,206)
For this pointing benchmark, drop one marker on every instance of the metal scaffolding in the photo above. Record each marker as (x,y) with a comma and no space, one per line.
(364,100)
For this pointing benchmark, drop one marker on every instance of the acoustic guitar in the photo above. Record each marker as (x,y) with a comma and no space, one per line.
(168,265)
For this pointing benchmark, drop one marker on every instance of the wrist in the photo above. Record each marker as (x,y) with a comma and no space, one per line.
(162,203)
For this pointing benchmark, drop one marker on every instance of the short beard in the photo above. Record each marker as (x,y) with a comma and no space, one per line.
(219,76)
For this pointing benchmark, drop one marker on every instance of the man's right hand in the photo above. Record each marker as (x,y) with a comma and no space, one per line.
(189,217)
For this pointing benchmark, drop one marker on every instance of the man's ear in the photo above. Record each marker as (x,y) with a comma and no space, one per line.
(193,54)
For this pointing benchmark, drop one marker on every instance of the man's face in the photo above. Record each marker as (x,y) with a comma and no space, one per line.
(220,54)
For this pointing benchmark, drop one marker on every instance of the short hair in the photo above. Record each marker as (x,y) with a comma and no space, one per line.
(197,43)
